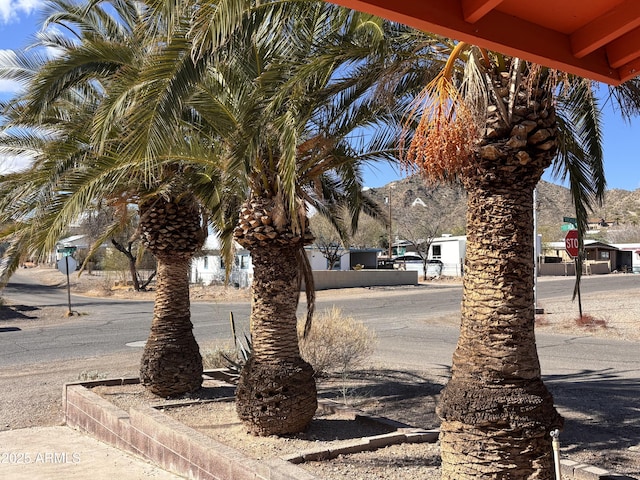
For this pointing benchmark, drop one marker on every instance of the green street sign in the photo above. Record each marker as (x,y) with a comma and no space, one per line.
(566,228)
(570,220)
(67,251)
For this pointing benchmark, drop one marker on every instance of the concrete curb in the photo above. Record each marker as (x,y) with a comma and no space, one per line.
(582,471)
(157,437)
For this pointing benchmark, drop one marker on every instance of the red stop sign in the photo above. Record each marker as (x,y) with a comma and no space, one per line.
(571,243)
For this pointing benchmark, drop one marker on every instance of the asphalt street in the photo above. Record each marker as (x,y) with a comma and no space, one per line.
(595,381)
(408,321)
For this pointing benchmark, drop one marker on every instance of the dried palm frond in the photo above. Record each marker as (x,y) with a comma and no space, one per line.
(447,130)
(444,138)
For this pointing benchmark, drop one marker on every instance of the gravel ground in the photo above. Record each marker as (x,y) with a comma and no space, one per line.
(603,420)
(329,429)
(411,401)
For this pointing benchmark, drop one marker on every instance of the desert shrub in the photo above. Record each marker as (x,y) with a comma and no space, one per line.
(336,343)
(215,357)
(117,265)
(588,321)
(542,320)
(89,375)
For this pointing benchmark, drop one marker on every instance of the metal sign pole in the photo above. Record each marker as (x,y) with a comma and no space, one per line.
(69,313)
(578,264)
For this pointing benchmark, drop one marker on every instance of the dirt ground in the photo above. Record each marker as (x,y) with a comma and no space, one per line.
(602,415)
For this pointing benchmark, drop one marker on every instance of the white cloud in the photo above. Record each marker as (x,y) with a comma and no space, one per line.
(10,10)
(9,88)
(14,164)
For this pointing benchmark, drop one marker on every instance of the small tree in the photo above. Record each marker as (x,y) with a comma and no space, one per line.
(419,232)
(117,223)
(127,249)
(371,233)
(327,240)
(626,233)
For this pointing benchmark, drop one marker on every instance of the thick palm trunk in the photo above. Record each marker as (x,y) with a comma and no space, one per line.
(171,363)
(496,412)
(171,229)
(276,393)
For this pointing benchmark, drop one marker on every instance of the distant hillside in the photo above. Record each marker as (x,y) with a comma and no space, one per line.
(445,205)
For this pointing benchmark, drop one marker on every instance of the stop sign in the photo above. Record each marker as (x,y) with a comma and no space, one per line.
(67,265)
(571,243)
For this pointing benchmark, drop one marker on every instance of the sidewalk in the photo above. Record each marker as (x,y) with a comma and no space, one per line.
(61,453)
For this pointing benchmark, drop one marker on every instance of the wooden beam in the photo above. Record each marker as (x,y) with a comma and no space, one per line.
(474,10)
(624,49)
(629,70)
(495,31)
(606,28)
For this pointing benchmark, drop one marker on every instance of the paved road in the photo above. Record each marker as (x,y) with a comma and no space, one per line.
(408,321)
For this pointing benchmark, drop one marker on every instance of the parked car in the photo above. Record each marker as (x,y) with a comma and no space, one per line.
(414,263)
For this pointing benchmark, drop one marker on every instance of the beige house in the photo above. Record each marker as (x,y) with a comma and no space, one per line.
(600,258)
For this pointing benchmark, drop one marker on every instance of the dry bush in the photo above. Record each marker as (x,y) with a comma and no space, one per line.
(336,343)
(90,375)
(215,357)
(542,320)
(587,321)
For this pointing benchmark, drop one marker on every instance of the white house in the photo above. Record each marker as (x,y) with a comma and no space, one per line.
(629,256)
(448,249)
(209,267)
(68,246)
(74,242)
(319,261)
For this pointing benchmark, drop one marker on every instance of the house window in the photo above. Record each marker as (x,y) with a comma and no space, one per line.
(436,252)
(206,263)
(604,255)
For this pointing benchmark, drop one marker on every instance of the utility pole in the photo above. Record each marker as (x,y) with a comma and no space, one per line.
(536,253)
(389,204)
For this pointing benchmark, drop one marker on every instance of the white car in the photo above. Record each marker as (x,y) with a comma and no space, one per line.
(414,263)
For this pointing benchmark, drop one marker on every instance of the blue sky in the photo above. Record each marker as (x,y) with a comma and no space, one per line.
(19,20)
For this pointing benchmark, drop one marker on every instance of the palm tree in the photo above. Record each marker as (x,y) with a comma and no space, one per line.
(282,111)
(495,123)
(71,86)
(171,228)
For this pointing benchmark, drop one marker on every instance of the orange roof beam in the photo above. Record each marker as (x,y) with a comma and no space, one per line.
(474,10)
(624,49)
(614,24)
(605,47)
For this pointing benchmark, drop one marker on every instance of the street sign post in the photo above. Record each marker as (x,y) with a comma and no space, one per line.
(571,243)
(66,265)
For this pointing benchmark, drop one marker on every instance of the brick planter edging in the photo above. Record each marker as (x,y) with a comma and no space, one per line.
(582,471)
(152,435)
(161,439)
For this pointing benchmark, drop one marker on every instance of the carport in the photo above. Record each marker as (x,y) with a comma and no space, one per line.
(597,39)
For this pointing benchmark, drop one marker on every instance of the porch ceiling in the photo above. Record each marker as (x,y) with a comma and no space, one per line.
(597,39)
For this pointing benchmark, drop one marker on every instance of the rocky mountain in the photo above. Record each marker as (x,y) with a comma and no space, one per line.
(444,206)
